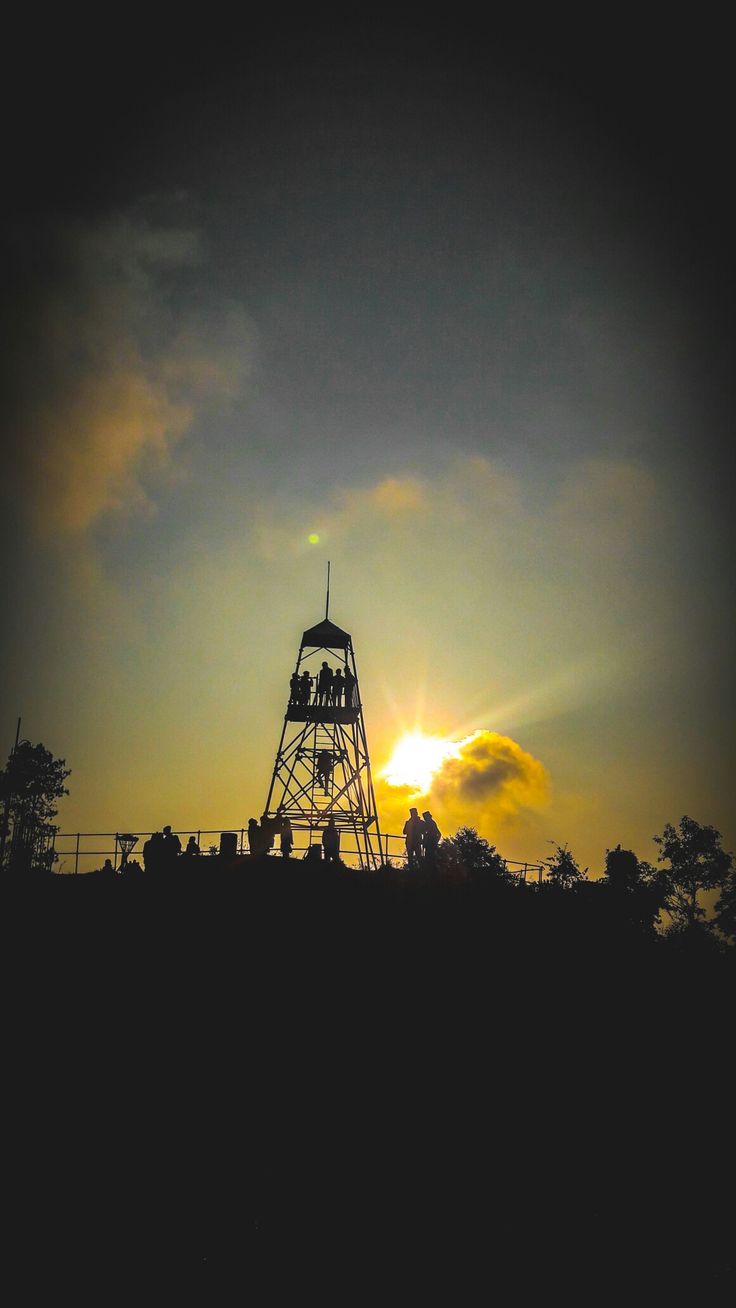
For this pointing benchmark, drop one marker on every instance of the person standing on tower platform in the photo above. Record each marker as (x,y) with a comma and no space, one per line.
(306,688)
(331,842)
(294,688)
(349,686)
(414,832)
(338,686)
(324,684)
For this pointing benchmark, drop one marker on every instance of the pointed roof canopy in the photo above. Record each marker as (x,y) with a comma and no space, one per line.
(328,635)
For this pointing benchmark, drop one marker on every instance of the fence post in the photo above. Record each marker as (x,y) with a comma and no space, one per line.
(76,857)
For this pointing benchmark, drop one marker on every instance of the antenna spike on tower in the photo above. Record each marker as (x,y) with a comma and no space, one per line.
(327,605)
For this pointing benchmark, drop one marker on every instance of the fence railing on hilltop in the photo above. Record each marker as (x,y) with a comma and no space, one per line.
(75,852)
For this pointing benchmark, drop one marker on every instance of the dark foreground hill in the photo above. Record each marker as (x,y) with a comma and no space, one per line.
(334,1085)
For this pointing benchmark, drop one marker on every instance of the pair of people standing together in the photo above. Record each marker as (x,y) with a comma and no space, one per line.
(422,837)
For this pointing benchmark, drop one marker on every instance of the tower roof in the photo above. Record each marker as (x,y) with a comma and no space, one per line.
(328,635)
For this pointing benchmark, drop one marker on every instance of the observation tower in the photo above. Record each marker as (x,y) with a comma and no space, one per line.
(322,769)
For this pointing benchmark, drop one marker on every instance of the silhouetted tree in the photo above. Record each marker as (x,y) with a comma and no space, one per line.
(471,855)
(697,863)
(562,870)
(636,888)
(726,907)
(30,784)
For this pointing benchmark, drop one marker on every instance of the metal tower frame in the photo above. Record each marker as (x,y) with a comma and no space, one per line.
(297,792)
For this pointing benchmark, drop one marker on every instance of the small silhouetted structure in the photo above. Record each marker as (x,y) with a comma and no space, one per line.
(192,848)
(228,844)
(126,843)
(414,833)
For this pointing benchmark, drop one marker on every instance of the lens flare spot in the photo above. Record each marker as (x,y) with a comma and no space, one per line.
(416,758)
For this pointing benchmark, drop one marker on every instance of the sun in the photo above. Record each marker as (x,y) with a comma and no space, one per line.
(415,760)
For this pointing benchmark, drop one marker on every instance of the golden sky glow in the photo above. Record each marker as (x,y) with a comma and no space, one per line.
(415,760)
(458,369)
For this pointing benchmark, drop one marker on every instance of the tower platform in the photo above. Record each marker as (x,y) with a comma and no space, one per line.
(321,713)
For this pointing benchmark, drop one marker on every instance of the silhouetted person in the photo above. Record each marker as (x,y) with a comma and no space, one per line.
(254,836)
(331,842)
(324,769)
(192,847)
(431,837)
(338,686)
(414,832)
(154,853)
(108,867)
(324,684)
(349,686)
(294,684)
(171,847)
(287,838)
(269,827)
(149,853)
(305,690)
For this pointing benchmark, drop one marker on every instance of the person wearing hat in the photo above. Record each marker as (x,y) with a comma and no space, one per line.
(414,832)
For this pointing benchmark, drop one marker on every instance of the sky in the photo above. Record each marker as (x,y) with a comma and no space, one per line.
(454,301)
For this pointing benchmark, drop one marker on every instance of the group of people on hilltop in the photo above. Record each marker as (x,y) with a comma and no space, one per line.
(422,837)
(333,687)
(163,848)
(262,835)
(160,852)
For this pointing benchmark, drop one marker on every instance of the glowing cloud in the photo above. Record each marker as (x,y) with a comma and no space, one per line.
(486,780)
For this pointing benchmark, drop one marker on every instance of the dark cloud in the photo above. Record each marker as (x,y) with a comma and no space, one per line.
(110,374)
